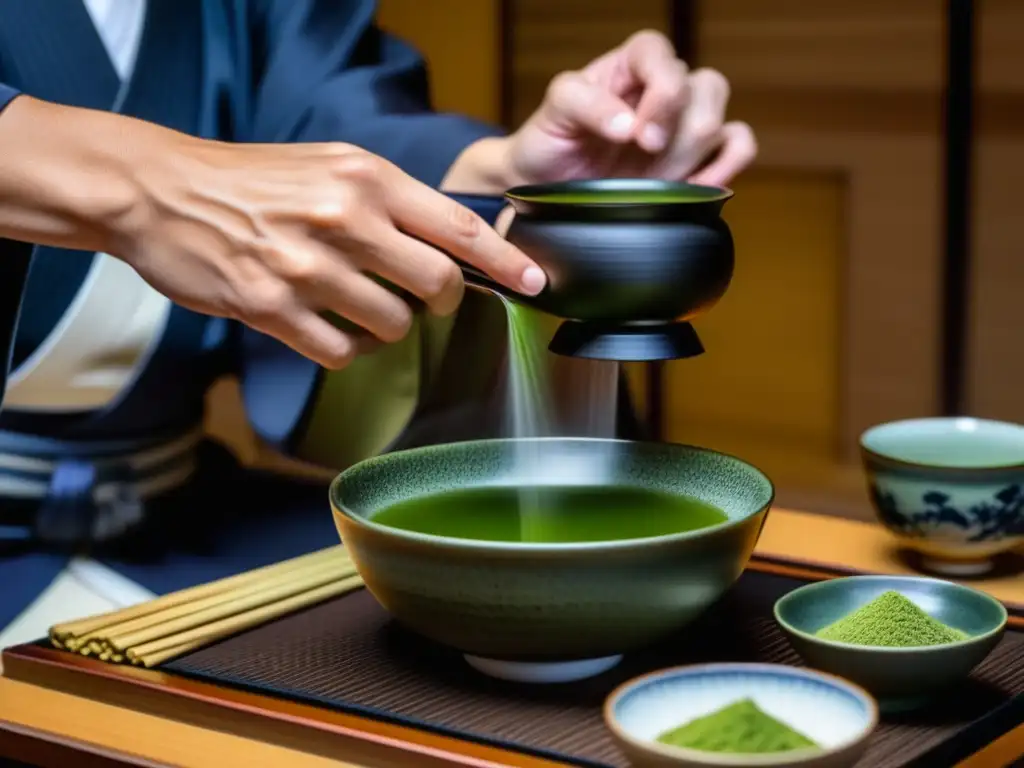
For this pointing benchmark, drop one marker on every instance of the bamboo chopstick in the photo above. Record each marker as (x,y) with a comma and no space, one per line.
(121,640)
(84,626)
(342,566)
(123,621)
(150,654)
(181,622)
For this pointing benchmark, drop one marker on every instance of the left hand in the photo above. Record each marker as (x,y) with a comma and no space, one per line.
(637,111)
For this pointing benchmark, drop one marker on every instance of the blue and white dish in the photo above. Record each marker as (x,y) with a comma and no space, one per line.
(951,488)
(834,713)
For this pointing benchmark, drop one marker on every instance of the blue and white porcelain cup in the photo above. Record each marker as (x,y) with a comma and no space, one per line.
(951,488)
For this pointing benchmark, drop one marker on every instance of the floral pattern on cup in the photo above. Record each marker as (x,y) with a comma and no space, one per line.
(993,517)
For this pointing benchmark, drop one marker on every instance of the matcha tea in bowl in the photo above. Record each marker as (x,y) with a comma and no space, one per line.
(741,714)
(948,488)
(903,638)
(551,571)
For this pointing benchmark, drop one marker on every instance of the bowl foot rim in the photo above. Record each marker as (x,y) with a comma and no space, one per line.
(542,672)
(945,567)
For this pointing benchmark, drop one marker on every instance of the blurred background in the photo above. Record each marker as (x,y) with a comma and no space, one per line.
(858,297)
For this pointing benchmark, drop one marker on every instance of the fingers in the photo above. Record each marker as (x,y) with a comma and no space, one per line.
(576,102)
(701,131)
(709,98)
(664,85)
(332,282)
(364,302)
(738,151)
(415,266)
(504,221)
(704,138)
(309,335)
(430,216)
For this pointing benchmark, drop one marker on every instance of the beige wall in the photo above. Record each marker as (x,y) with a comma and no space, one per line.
(832,326)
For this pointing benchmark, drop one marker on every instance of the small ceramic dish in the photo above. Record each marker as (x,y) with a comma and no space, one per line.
(833,713)
(949,488)
(900,678)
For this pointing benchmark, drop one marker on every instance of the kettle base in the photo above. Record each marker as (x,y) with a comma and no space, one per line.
(629,342)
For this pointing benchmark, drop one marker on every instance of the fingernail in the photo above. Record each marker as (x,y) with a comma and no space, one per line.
(533,280)
(653,138)
(620,126)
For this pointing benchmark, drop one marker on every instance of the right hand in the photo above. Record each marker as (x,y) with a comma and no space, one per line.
(274,235)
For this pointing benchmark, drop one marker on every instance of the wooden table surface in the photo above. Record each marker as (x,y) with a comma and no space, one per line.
(50,728)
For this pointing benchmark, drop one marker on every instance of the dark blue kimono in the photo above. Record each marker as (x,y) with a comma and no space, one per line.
(238,70)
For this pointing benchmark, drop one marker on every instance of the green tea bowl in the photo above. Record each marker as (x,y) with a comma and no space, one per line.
(949,488)
(549,612)
(900,678)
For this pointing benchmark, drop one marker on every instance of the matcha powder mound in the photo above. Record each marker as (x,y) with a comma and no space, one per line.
(890,620)
(741,727)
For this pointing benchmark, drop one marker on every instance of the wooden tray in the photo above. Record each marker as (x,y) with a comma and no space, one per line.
(412,704)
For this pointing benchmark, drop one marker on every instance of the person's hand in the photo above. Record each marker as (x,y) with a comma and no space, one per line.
(276,235)
(637,111)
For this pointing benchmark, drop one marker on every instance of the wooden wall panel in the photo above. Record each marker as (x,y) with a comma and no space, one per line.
(834,90)
(769,382)
(872,46)
(461,41)
(550,36)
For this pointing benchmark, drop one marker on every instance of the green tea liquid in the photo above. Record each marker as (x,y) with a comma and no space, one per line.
(563,514)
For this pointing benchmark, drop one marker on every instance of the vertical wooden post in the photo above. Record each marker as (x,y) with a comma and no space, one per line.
(958,146)
(682,15)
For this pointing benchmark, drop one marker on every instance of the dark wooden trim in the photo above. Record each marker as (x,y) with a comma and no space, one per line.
(45,750)
(817,571)
(506,61)
(315,730)
(683,20)
(958,145)
(682,23)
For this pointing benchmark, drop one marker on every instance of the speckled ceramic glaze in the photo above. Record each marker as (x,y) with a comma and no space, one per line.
(901,678)
(549,602)
(835,714)
(950,488)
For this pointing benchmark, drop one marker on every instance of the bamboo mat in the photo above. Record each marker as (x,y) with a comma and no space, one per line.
(181,622)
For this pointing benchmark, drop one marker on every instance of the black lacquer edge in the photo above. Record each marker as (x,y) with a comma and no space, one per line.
(533,200)
(627,342)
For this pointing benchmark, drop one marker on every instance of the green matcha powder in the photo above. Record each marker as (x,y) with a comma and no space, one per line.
(741,727)
(890,620)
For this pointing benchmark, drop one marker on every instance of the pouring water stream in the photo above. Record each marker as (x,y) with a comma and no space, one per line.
(529,414)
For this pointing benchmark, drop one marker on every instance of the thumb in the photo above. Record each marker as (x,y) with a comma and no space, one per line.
(575,104)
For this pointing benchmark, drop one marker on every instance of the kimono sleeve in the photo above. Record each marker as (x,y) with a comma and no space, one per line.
(14,263)
(326,72)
